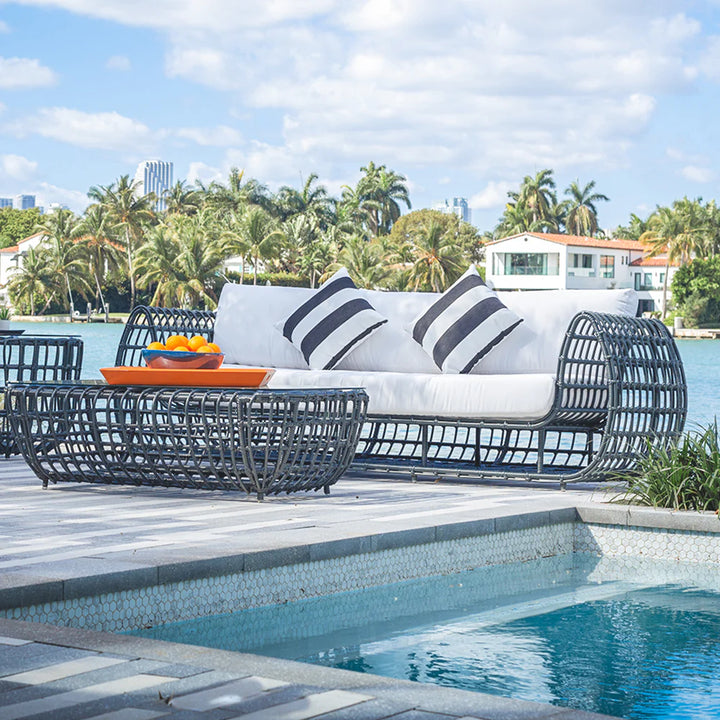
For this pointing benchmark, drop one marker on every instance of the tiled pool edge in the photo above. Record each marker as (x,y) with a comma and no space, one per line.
(133,599)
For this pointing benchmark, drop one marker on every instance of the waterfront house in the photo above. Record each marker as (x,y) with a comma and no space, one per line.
(551,261)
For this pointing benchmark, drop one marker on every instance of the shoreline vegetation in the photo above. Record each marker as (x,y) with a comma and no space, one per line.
(122,251)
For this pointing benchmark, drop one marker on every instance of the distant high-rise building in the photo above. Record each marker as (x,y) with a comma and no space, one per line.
(154,176)
(5,202)
(459,207)
(53,206)
(23,202)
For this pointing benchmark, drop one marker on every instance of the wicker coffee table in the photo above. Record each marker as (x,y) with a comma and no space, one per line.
(260,441)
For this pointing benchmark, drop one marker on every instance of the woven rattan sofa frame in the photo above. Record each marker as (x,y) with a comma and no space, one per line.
(620,390)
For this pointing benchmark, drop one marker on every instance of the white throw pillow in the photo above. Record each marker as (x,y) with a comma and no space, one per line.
(331,323)
(463,325)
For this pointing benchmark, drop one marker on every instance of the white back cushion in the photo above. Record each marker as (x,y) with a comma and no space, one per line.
(246,315)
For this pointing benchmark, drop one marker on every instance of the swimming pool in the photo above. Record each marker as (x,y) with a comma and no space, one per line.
(606,635)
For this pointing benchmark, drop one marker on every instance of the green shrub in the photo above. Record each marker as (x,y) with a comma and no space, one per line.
(686,476)
(284,279)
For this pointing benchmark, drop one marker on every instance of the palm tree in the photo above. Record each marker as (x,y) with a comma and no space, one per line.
(61,231)
(181,199)
(36,278)
(439,260)
(102,254)
(536,194)
(365,262)
(236,196)
(668,235)
(634,230)
(582,215)
(130,214)
(258,232)
(181,260)
(313,201)
(381,190)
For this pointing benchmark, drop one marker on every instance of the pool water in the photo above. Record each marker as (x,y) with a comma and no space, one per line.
(568,630)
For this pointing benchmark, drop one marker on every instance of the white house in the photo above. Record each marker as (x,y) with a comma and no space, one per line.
(11,259)
(550,261)
(648,279)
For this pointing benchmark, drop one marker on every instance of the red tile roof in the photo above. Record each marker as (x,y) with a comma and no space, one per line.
(12,248)
(658,261)
(580,241)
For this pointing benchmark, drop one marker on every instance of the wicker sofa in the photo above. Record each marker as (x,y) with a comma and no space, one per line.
(575,395)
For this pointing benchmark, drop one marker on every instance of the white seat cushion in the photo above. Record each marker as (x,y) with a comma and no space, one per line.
(501,397)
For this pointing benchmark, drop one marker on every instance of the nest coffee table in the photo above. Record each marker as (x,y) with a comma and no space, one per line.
(261,441)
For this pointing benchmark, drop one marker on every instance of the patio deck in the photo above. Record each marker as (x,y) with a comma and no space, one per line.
(91,539)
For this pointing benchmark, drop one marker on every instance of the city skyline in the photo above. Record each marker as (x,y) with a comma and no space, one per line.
(463,99)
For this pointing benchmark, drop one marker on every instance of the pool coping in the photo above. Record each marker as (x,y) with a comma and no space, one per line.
(13,595)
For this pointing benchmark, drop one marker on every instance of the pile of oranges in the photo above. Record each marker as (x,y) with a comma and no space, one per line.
(181,343)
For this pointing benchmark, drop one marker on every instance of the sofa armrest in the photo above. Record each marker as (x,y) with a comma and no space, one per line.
(626,373)
(148,324)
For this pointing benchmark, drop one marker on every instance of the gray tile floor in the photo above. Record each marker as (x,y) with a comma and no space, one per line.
(85,538)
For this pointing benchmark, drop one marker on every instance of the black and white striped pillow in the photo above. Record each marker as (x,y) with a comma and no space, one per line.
(333,322)
(463,324)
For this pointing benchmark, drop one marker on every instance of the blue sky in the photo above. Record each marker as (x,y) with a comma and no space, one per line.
(463,97)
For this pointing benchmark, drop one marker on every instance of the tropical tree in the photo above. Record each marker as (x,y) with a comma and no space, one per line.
(35,279)
(439,260)
(310,201)
(130,215)
(365,262)
(669,236)
(180,260)
(380,192)
(102,254)
(581,218)
(236,195)
(538,196)
(256,231)
(181,199)
(634,230)
(61,230)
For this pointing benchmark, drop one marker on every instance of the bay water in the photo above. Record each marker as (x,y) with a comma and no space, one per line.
(701,359)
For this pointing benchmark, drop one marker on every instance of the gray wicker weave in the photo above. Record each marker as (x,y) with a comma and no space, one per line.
(620,389)
(260,441)
(32,358)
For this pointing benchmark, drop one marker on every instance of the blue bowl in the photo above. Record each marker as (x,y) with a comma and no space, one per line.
(182,360)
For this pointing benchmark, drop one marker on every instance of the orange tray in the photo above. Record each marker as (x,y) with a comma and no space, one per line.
(222,377)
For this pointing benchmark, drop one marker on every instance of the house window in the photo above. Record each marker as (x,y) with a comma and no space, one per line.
(607,266)
(531,264)
(648,280)
(662,278)
(638,281)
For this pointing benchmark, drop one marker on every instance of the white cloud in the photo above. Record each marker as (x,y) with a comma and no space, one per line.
(493,195)
(491,89)
(118,62)
(4,27)
(698,174)
(203,172)
(24,73)
(219,136)
(17,167)
(103,130)
(46,193)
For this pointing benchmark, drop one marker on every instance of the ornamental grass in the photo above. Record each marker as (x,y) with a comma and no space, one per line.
(685,476)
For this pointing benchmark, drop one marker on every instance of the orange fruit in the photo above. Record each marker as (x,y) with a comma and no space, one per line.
(182,348)
(174,341)
(215,348)
(156,346)
(196,341)
(205,349)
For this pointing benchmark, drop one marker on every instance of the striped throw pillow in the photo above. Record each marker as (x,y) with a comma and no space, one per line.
(335,320)
(463,324)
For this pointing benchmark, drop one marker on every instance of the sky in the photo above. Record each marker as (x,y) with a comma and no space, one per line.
(462,97)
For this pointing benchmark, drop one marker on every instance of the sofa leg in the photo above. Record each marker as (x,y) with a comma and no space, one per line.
(326,489)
